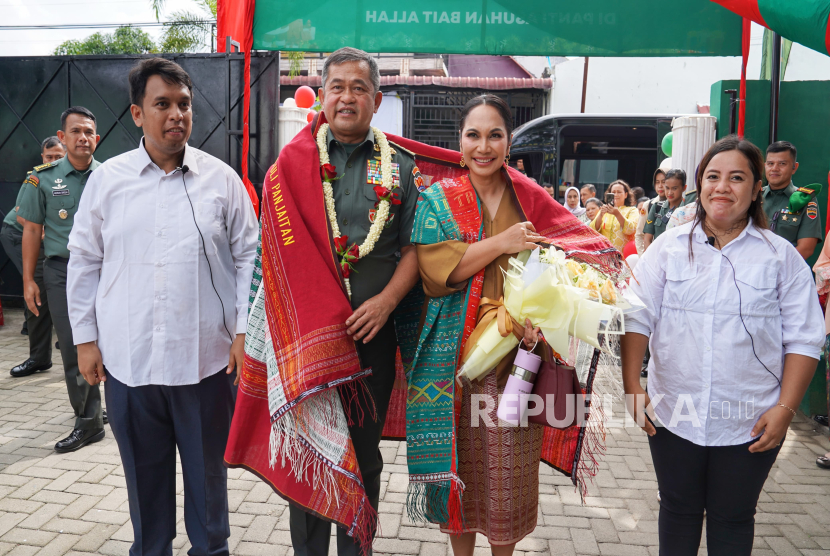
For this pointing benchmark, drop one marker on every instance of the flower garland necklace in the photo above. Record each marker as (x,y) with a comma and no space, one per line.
(350,254)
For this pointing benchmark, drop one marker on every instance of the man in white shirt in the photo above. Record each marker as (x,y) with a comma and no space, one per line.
(162,253)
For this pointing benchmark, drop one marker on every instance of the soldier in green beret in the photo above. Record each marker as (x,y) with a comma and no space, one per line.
(788,214)
(48,207)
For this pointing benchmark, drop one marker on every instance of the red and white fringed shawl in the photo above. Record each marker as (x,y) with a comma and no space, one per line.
(289,426)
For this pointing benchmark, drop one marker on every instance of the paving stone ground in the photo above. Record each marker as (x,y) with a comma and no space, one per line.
(53,504)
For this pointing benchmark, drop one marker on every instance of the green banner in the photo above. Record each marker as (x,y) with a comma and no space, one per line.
(509,27)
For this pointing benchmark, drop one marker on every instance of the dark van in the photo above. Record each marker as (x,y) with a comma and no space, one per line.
(580,149)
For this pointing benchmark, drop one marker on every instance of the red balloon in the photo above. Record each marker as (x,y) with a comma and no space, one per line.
(304,97)
(310,117)
(629,249)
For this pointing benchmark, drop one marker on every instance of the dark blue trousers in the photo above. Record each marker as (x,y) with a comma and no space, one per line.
(149,423)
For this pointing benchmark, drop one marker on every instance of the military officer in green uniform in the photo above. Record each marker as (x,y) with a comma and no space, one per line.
(48,206)
(800,226)
(39,327)
(660,213)
(350,96)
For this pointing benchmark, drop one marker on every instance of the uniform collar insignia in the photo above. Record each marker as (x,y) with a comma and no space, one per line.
(58,184)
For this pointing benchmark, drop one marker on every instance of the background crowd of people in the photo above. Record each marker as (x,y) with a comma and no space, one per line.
(110,253)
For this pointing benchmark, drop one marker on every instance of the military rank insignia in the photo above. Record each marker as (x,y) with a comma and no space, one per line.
(374,177)
(812,210)
(32,180)
(420,183)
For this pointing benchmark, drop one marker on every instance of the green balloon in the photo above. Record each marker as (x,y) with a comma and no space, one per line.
(667,143)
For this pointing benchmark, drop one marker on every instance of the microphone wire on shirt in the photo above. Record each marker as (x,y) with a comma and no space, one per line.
(711,241)
(184,169)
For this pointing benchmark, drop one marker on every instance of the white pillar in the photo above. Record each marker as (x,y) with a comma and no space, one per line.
(693,135)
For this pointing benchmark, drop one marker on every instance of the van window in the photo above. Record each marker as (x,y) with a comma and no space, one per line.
(577,173)
(532,162)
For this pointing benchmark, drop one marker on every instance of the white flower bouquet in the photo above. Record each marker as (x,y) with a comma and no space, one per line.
(562,297)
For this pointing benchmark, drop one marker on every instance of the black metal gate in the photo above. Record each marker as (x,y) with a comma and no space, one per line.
(433,114)
(35,90)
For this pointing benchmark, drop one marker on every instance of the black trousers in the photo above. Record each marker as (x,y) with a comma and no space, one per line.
(726,481)
(310,535)
(85,399)
(40,327)
(149,423)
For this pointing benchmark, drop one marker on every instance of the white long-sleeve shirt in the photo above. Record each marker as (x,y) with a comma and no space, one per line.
(138,281)
(708,385)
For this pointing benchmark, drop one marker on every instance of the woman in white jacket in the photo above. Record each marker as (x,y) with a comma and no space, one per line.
(720,401)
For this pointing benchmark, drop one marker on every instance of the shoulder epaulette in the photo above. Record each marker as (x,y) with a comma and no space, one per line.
(32,180)
(810,189)
(47,165)
(407,151)
(802,196)
(29,173)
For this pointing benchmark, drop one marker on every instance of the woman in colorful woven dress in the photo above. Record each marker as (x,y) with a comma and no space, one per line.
(618,220)
(469,475)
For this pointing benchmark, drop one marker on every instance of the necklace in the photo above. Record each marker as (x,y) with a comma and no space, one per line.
(350,254)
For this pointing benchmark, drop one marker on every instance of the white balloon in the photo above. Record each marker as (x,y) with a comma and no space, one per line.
(290,103)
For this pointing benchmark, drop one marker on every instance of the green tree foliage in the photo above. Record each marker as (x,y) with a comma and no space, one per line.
(125,40)
(185,31)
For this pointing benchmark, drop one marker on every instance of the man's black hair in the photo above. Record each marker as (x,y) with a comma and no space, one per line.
(76,110)
(170,71)
(50,142)
(781,146)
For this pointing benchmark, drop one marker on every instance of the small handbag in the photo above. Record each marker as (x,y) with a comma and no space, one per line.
(560,384)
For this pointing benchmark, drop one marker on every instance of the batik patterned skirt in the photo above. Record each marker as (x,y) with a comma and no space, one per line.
(500,469)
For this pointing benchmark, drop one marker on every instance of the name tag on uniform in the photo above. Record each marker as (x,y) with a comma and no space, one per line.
(60,192)
(374,174)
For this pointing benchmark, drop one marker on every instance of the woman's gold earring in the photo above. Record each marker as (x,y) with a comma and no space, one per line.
(507,159)
(462,163)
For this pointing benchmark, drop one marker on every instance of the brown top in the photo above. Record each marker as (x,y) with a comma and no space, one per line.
(437,261)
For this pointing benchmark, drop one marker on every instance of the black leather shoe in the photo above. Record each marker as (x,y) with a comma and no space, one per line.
(105,417)
(29,367)
(644,373)
(821,420)
(57,345)
(25,330)
(78,439)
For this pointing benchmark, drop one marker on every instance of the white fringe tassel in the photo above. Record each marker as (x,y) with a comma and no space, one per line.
(286,444)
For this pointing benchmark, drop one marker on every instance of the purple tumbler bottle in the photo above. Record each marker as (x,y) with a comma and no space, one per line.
(512,407)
